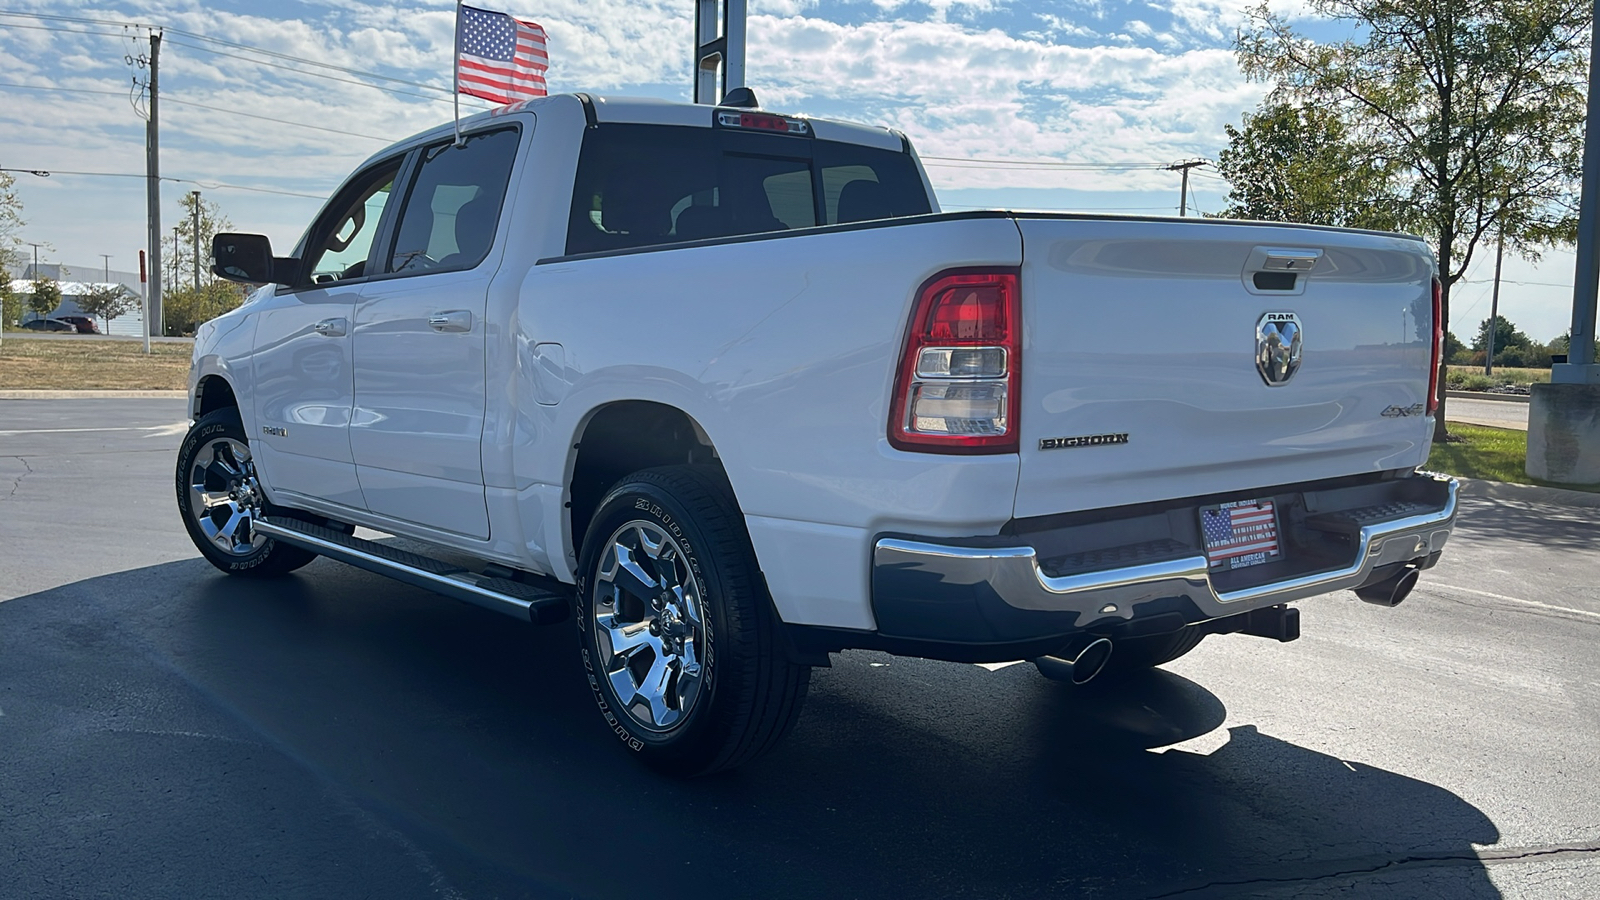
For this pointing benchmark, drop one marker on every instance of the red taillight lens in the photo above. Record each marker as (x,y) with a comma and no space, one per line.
(959,384)
(1438,347)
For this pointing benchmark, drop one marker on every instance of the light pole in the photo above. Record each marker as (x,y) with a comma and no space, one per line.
(195,229)
(107,258)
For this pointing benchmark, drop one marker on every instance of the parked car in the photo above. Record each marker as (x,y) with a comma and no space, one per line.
(83,324)
(727,387)
(50,325)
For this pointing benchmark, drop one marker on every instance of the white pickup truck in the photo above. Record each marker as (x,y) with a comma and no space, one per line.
(727,388)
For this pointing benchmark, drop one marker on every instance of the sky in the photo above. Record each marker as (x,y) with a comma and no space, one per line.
(1101,92)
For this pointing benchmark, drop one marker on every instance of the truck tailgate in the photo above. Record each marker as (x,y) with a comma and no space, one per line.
(1139,362)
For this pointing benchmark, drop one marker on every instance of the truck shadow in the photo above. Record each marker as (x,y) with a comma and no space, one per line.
(473,738)
(1562,528)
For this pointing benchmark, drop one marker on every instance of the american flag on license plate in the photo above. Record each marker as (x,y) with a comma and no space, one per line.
(1239,529)
(499,57)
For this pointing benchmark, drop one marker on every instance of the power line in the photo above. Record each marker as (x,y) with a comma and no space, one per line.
(235,112)
(978,162)
(271,65)
(232,112)
(63,30)
(226,43)
(1060,208)
(40,87)
(251,60)
(213,185)
(1523,283)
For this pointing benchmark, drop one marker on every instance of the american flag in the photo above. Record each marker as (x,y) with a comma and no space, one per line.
(498,57)
(1239,529)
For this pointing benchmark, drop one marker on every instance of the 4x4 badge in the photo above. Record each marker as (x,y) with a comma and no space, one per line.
(1278,345)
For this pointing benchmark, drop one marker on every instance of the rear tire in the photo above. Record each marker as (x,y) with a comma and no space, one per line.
(679,640)
(220,499)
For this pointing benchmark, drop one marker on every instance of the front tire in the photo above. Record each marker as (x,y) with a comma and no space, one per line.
(220,499)
(679,640)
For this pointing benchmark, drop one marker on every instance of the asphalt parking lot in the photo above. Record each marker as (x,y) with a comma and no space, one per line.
(167,731)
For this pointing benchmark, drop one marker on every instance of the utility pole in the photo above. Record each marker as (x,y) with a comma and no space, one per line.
(177,258)
(107,258)
(35,260)
(153,188)
(195,227)
(1494,306)
(1183,192)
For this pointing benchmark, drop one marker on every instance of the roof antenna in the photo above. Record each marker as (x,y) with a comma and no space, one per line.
(742,97)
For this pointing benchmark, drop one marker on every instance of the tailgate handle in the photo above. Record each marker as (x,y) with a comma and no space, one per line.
(1298,259)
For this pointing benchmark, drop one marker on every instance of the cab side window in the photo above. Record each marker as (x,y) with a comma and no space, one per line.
(342,238)
(451,211)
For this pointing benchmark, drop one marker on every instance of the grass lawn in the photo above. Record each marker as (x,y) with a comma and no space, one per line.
(1492,454)
(86,363)
(1471,378)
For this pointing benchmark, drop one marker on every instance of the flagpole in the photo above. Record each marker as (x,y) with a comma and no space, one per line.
(455,66)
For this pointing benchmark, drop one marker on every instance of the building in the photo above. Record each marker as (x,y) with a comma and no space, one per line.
(75,281)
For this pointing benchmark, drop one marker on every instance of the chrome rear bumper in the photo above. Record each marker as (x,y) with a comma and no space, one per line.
(935,576)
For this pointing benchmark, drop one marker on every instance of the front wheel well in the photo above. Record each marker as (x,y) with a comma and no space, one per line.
(213,393)
(621,439)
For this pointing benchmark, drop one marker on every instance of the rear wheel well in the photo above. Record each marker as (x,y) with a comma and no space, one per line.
(211,394)
(624,438)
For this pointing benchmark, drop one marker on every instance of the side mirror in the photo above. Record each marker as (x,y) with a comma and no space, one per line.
(248,259)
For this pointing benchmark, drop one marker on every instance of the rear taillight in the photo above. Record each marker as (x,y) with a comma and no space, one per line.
(1438,347)
(959,384)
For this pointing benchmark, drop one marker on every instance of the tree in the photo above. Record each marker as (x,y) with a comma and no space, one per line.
(11,223)
(1480,103)
(1298,164)
(185,309)
(1455,352)
(180,268)
(1563,344)
(1505,335)
(45,297)
(108,301)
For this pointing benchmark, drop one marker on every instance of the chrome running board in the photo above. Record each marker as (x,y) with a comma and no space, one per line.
(539,605)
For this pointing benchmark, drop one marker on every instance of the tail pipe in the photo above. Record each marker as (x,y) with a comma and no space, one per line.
(1390,591)
(1078,662)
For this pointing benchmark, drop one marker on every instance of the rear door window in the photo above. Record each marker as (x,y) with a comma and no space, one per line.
(644,185)
(451,212)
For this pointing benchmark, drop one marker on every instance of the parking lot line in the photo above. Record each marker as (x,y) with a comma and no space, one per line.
(1534,603)
(117,428)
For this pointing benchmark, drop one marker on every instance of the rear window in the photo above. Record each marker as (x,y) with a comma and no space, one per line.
(645,185)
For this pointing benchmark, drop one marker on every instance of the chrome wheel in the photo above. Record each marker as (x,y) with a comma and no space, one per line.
(649,625)
(225,497)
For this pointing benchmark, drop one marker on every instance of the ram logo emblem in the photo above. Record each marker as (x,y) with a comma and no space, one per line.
(1279,339)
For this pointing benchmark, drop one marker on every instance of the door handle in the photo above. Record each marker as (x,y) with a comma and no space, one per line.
(330,327)
(455,321)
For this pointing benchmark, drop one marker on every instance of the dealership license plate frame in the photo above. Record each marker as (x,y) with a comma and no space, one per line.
(1270,532)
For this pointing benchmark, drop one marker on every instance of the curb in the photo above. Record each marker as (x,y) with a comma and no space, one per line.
(1528,493)
(61,336)
(93,395)
(1485,395)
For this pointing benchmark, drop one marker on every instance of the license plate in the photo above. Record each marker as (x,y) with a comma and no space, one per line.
(1240,534)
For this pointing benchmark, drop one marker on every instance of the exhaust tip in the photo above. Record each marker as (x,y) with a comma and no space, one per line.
(1091,661)
(1391,591)
(1078,667)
